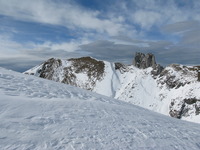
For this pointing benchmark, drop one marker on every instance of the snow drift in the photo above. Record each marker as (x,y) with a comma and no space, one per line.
(42,114)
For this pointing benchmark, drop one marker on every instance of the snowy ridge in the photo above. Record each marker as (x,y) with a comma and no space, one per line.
(42,114)
(165,93)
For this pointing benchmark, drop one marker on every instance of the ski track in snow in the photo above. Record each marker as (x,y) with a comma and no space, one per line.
(41,114)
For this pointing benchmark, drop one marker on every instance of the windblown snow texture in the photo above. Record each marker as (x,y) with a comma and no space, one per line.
(42,114)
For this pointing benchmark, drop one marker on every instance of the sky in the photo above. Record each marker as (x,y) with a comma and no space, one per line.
(32,31)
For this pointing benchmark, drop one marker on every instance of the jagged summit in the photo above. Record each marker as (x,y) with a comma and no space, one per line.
(144,61)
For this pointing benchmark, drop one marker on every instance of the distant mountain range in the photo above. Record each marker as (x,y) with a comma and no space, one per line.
(173,90)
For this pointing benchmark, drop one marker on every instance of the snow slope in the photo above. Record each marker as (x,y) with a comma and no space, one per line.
(42,114)
(165,93)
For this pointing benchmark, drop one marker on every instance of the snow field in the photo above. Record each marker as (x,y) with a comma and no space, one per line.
(42,114)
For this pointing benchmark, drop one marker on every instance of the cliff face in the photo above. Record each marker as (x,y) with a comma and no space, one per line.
(173,90)
(144,61)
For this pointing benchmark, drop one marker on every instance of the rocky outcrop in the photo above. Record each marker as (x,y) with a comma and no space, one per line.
(121,67)
(82,72)
(183,108)
(175,75)
(49,67)
(157,69)
(143,61)
(177,109)
(198,78)
(92,68)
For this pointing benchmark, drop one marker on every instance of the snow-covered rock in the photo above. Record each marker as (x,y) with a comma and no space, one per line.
(41,114)
(163,90)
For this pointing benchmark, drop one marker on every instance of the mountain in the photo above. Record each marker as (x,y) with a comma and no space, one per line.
(173,90)
(42,114)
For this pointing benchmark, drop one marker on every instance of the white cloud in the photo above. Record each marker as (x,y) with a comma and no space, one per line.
(146,18)
(70,46)
(181,27)
(148,13)
(65,14)
(122,18)
(19,57)
(10,49)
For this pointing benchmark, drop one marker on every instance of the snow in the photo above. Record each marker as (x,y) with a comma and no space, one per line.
(109,82)
(188,91)
(139,87)
(42,114)
(34,70)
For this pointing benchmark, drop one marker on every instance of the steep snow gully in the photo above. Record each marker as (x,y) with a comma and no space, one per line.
(115,81)
(40,114)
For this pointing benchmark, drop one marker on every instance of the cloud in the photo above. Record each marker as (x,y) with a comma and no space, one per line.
(8,46)
(156,13)
(181,26)
(124,51)
(70,46)
(19,64)
(66,14)
(20,57)
(146,18)
(191,38)
(189,31)
(115,32)
(122,18)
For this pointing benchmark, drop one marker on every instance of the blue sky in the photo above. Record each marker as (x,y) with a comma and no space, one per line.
(113,30)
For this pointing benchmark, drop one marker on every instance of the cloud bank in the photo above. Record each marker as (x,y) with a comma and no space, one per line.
(32,31)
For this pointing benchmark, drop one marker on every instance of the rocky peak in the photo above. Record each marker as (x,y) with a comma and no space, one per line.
(144,61)
(82,72)
(48,68)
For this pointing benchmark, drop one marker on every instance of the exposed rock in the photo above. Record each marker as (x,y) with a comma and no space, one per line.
(180,108)
(190,100)
(197,69)
(178,112)
(143,61)
(157,69)
(48,68)
(175,75)
(93,70)
(197,108)
(92,67)
(198,76)
(118,66)
(176,108)
(121,67)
